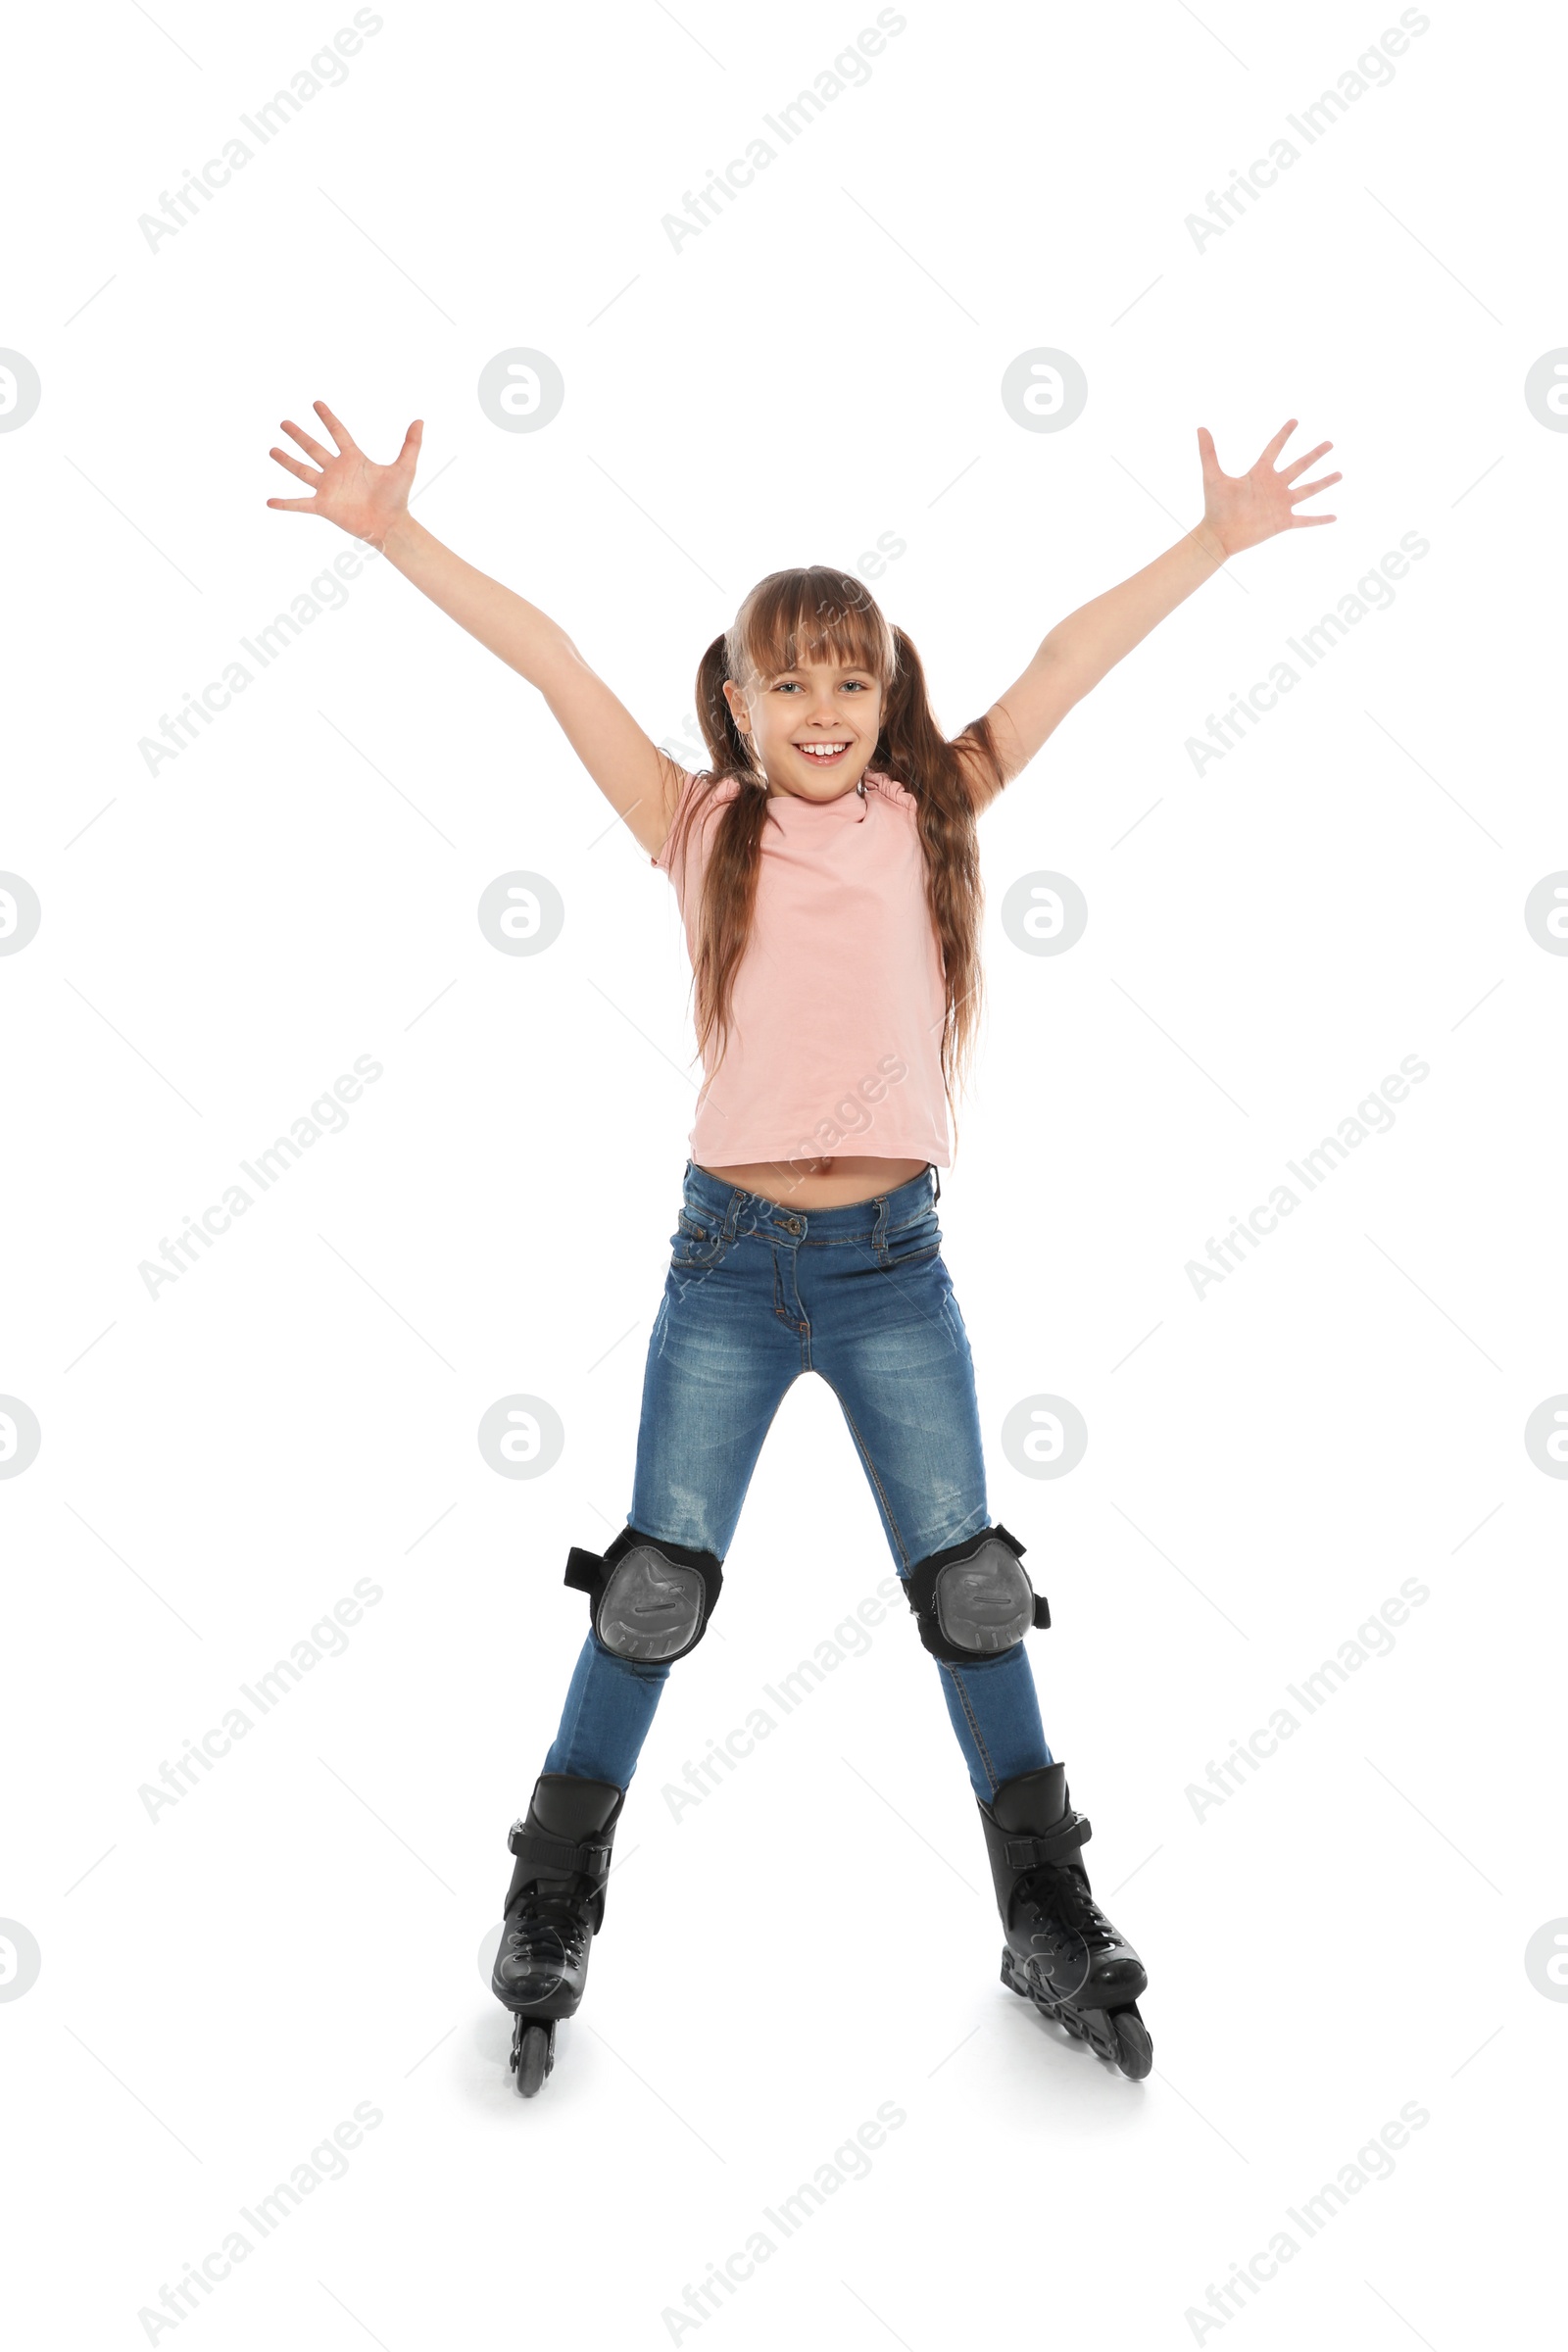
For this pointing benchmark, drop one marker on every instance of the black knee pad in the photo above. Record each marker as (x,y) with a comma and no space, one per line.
(650,1601)
(974,1601)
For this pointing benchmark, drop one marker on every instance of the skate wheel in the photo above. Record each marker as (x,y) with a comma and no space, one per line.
(533,2053)
(1135,2051)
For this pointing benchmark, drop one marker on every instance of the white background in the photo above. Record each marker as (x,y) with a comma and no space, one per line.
(301,1931)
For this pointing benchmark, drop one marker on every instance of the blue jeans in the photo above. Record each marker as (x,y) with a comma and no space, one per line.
(756,1294)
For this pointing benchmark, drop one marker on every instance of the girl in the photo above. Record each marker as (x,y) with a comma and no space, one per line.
(827,871)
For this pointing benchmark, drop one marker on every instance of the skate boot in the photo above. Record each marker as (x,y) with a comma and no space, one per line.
(1061,1952)
(554,1909)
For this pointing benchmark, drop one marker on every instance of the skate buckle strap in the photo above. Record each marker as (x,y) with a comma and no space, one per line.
(1049,1846)
(588,1855)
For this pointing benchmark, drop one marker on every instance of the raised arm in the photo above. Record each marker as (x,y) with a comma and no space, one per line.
(1239,510)
(371,501)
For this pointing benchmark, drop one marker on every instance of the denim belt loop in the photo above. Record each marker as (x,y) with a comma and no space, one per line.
(880,1230)
(732,1213)
(937,1173)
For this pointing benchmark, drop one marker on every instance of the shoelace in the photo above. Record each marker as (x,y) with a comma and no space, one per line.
(1062,1898)
(547,1917)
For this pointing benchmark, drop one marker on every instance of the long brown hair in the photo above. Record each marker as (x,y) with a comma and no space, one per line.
(789,618)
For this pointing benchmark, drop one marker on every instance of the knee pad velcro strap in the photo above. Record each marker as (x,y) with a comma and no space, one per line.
(974,1601)
(650,1601)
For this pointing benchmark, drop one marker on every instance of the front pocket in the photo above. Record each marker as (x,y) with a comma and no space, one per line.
(693,1245)
(920,1239)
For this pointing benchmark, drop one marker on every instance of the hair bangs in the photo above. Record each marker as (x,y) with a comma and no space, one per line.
(813,614)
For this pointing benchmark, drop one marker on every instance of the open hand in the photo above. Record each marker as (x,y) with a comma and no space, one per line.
(349,488)
(1241,508)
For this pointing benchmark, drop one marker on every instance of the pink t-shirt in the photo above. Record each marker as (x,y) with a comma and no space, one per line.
(835,1037)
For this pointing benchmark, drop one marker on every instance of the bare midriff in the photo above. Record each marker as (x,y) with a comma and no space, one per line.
(821,1183)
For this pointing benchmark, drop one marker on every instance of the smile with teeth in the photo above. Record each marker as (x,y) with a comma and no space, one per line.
(822,750)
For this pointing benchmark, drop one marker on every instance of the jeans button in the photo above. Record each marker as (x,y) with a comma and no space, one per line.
(794,1224)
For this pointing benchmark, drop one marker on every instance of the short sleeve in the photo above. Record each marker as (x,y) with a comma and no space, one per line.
(661,859)
(898,795)
(691,783)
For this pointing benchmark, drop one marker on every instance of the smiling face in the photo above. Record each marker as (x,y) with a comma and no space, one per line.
(813,729)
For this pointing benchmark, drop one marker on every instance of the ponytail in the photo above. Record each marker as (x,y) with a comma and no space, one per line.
(735,850)
(912,749)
